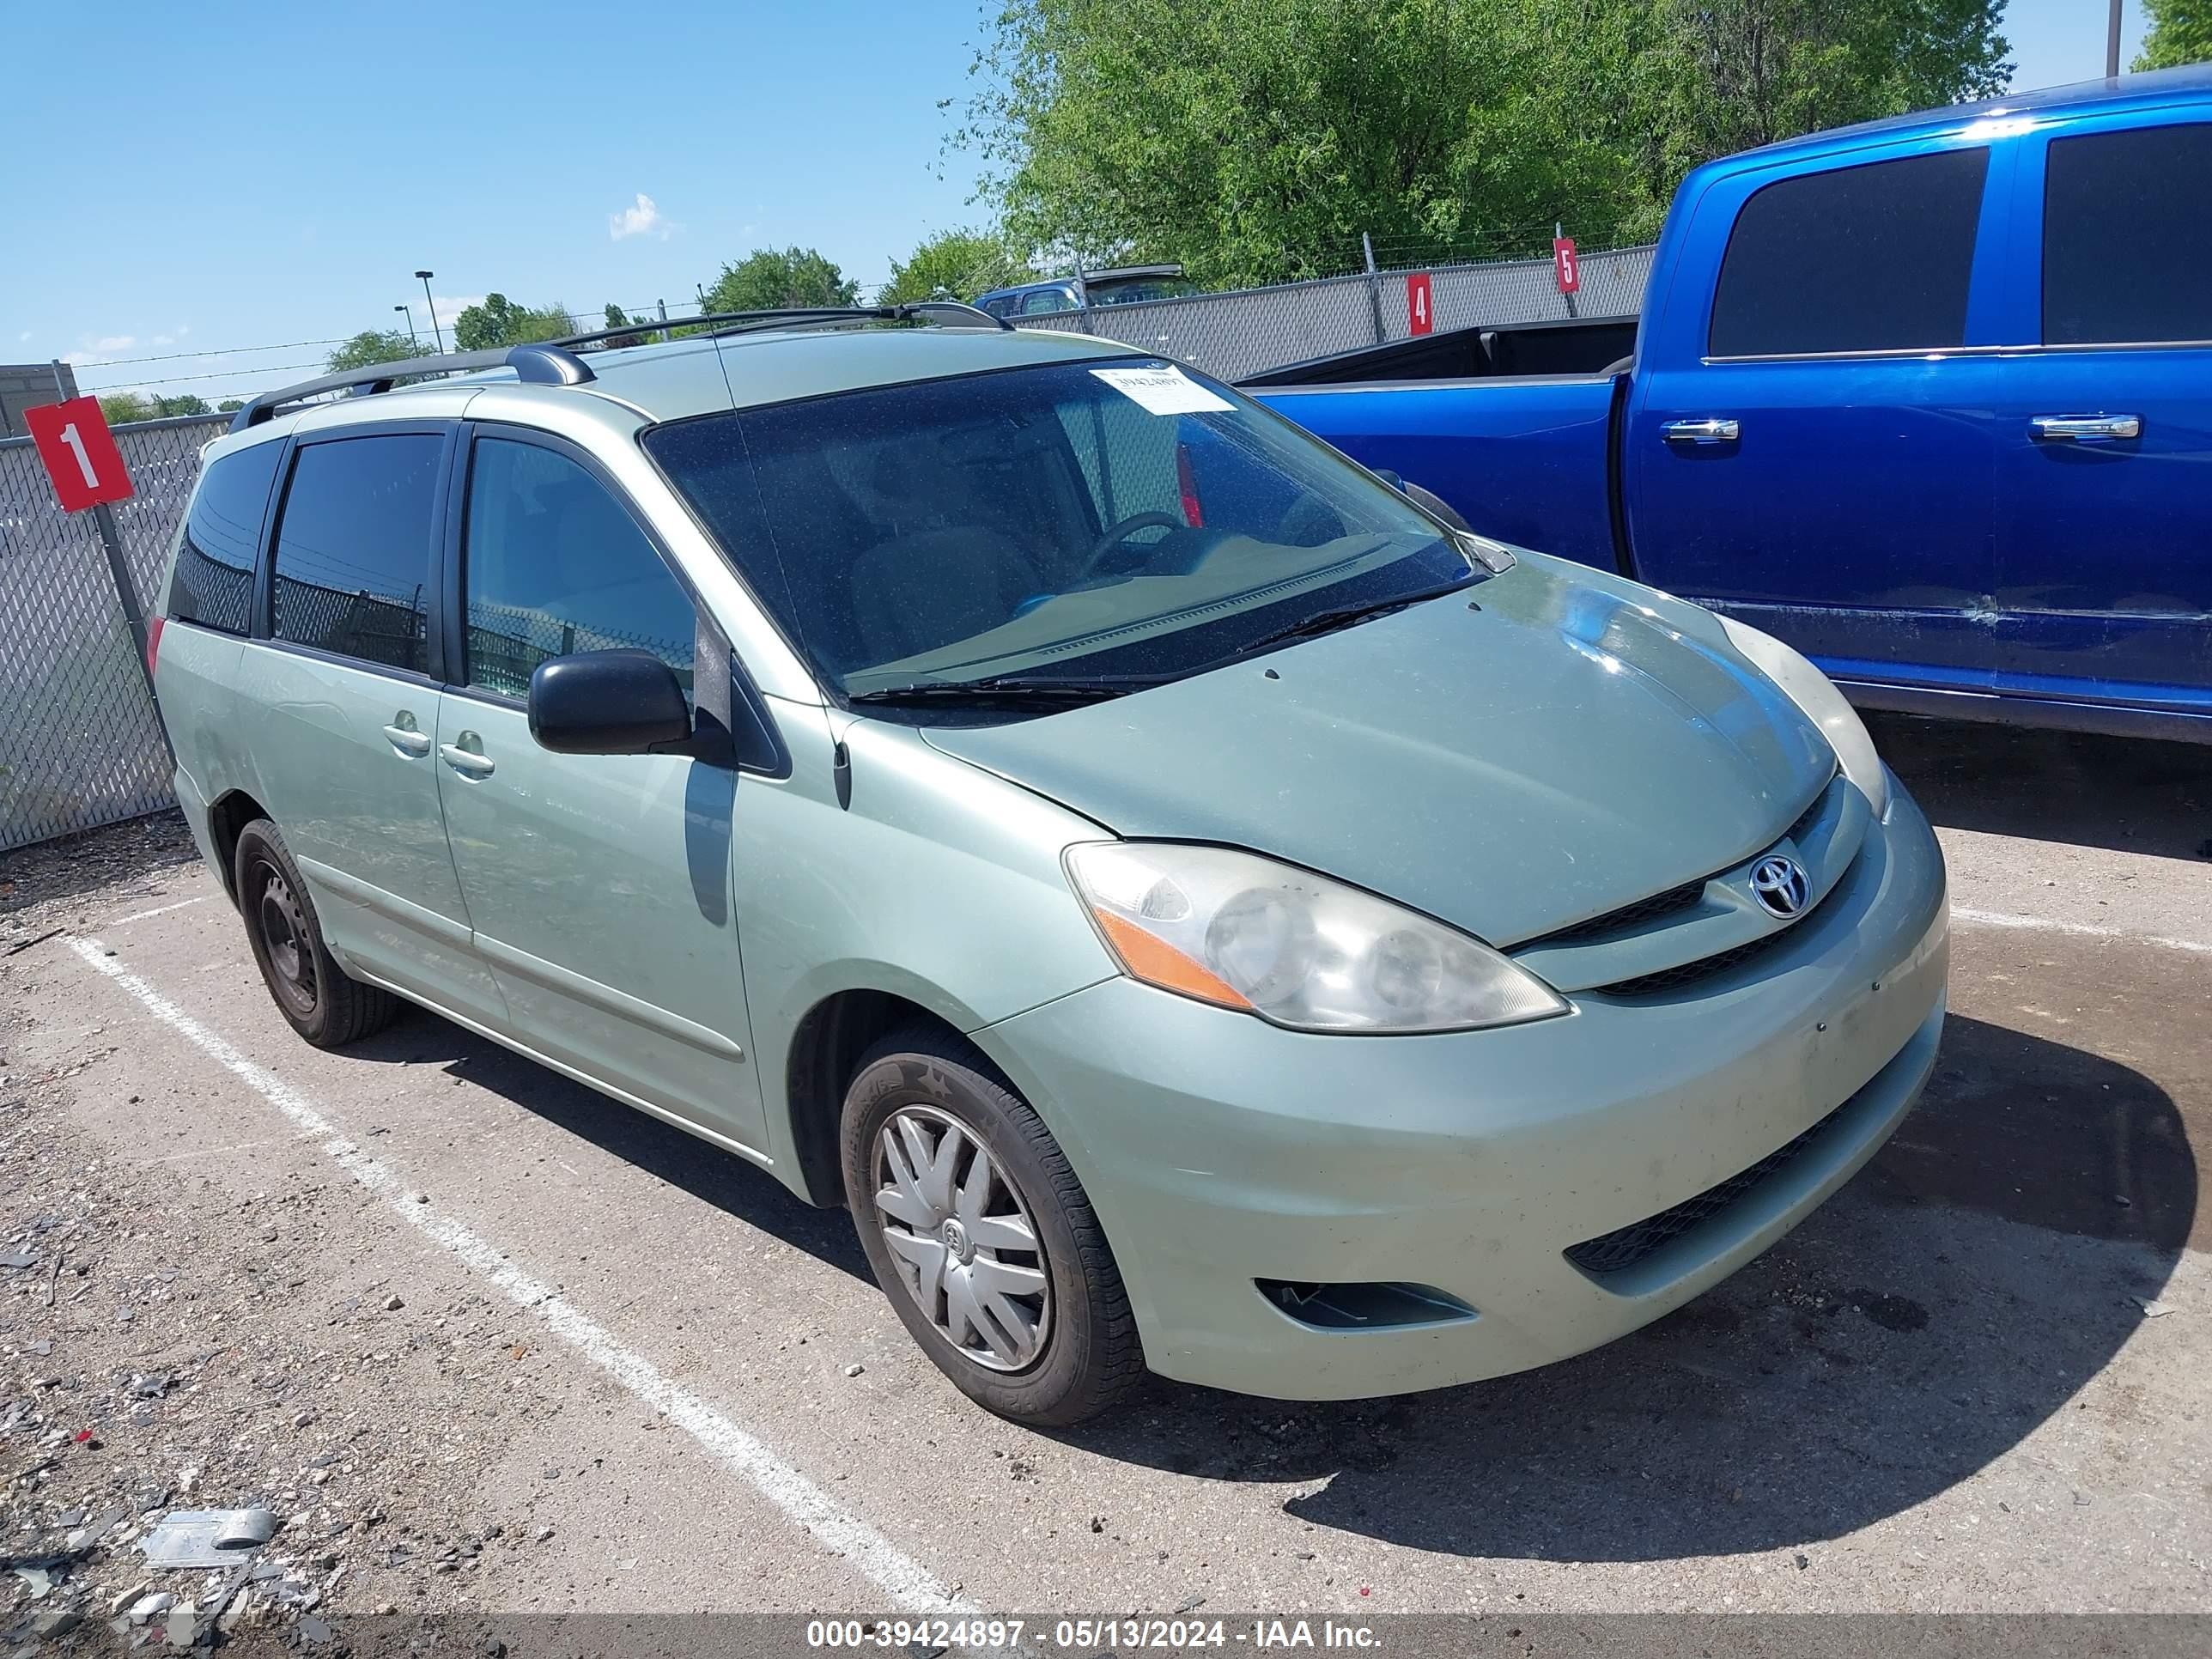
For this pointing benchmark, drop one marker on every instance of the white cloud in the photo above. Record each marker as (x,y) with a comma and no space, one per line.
(643,218)
(25,335)
(164,339)
(115,342)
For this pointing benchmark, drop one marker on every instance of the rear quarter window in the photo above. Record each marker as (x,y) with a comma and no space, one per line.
(1876,257)
(213,583)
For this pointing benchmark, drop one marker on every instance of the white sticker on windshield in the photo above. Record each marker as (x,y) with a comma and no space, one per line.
(1164,391)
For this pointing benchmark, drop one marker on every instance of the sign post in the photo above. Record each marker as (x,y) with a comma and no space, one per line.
(1566,270)
(1420,304)
(87,471)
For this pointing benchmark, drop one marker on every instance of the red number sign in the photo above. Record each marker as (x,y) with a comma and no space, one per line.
(80,453)
(1420,305)
(1565,270)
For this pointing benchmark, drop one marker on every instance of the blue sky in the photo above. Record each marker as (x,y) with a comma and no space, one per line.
(225,174)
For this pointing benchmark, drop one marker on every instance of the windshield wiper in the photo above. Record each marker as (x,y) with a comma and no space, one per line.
(1011,687)
(1343,616)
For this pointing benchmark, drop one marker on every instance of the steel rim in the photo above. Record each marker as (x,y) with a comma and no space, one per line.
(961,1236)
(285,941)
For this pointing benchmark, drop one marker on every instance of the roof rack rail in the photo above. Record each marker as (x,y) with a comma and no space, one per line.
(555,362)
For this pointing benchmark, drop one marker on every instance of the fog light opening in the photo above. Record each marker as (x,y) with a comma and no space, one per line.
(1363,1307)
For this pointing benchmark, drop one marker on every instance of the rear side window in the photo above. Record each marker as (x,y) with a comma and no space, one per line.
(214,581)
(354,546)
(1866,258)
(2149,190)
(555,564)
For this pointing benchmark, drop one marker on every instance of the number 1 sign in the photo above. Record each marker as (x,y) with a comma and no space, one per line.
(80,453)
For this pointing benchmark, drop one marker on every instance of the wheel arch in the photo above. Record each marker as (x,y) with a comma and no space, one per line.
(826,1046)
(227,816)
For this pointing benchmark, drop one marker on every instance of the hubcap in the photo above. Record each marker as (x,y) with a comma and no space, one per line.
(961,1239)
(284,935)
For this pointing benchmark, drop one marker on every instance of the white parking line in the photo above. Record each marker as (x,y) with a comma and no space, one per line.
(912,1585)
(158,910)
(2073,929)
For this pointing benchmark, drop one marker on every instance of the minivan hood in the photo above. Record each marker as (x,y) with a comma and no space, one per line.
(1571,746)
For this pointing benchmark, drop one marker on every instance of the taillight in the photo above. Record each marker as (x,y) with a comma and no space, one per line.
(154,625)
(1194,514)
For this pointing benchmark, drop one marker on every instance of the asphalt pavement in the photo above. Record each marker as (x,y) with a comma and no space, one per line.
(627,1372)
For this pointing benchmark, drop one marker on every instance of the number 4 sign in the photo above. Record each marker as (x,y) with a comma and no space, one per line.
(80,453)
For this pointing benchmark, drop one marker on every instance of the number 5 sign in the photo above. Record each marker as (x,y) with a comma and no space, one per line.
(80,453)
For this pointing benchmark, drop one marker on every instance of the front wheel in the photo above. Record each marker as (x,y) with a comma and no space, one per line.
(981,1237)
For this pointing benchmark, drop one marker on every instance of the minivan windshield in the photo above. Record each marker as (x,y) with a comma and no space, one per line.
(1121,521)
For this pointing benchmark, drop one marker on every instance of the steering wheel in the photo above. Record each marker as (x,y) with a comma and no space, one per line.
(1121,532)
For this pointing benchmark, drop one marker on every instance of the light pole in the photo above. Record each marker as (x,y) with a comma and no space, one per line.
(411,339)
(2112,41)
(435,334)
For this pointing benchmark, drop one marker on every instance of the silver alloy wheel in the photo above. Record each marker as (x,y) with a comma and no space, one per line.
(962,1237)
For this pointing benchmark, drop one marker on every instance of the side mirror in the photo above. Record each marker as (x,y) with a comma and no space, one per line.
(608,703)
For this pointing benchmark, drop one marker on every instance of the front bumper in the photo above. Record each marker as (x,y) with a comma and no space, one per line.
(1220,1151)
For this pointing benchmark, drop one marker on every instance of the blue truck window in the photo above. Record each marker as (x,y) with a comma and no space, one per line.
(2150,189)
(1875,257)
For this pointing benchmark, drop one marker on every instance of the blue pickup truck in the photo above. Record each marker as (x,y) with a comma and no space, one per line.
(1929,398)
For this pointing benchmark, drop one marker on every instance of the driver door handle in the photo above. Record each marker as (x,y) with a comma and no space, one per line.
(2083,428)
(407,741)
(467,762)
(1720,430)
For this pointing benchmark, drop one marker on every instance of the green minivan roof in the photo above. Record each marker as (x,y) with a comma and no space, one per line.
(701,376)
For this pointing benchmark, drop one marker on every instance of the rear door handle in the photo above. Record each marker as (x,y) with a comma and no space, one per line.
(408,741)
(1711,430)
(467,762)
(2084,429)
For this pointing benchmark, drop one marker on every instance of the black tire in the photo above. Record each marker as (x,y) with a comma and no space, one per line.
(1090,1354)
(317,997)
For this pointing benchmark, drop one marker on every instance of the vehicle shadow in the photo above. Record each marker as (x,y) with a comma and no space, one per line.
(1957,1294)
(2131,794)
(660,1150)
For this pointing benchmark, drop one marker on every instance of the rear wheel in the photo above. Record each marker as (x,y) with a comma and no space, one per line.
(981,1237)
(316,996)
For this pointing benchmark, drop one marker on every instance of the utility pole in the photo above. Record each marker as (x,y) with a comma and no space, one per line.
(412,338)
(1374,285)
(2112,41)
(425,276)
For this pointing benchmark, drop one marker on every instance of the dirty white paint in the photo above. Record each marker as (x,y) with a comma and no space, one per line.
(158,910)
(901,1577)
(2073,929)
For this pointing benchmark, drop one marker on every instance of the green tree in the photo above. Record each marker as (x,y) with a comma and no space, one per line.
(617,318)
(374,345)
(1253,140)
(230,406)
(185,403)
(498,321)
(956,264)
(768,279)
(2180,31)
(121,406)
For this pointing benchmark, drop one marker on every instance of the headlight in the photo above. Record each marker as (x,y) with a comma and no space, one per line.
(1299,949)
(1825,705)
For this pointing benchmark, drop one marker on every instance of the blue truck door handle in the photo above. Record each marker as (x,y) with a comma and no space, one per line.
(2084,429)
(1708,431)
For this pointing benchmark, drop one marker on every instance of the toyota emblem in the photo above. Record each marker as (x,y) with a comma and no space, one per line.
(1780,885)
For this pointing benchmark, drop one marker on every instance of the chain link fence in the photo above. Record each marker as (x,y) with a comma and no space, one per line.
(1236,334)
(79,742)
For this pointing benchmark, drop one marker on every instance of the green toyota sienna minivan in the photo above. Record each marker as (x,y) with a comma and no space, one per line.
(1199,906)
